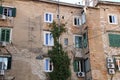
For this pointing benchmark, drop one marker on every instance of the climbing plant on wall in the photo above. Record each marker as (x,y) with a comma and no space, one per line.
(58,56)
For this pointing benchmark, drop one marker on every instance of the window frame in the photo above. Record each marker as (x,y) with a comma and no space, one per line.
(49,64)
(48,17)
(80,21)
(75,42)
(9,12)
(8,63)
(80,65)
(10,35)
(49,43)
(115,16)
(10,9)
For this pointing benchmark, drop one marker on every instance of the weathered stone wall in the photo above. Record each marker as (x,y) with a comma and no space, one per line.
(97,59)
(105,10)
(27,43)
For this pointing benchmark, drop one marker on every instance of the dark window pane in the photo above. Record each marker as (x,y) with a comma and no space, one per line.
(110,19)
(75,21)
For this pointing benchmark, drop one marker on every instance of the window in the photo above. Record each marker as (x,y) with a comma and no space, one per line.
(114,40)
(78,65)
(48,17)
(78,41)
(48,39)
(117,60)
(5,34)
(5,63)
(112,19)
(65,41)
(87,65)
(77,21)
(48,65)
(83,18)
(8,11)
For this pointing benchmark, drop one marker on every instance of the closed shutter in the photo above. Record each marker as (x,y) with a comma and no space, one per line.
(114,40)
(85,40)
(9,62)
(1,10)
(7,35)
(13,12)
(3,35)
(75,65)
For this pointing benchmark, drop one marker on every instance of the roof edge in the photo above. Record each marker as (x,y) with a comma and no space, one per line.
(109,2)
(62,3)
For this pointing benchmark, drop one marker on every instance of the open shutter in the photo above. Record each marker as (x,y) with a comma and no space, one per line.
(75,65)
(85,40)
(3,35)
(9,62)
(1,10)
(13,12)
(7,35)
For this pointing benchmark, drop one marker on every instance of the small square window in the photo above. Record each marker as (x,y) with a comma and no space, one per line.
(112,19)
(48,65)
(65,41)
(48,17)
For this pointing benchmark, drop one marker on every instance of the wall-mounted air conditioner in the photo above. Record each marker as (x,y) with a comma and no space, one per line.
(110,60)
(3,44)
(2,72)
(111,71)
(3,17)
(81,74)
(110,65)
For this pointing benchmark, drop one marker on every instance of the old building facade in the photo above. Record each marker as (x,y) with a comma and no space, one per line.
(91,39)
(27,39)
(103,36)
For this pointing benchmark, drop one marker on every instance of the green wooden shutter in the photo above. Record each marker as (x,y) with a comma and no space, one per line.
(75,65)
(9,62)
(1,10)
(85,40)
(2,34)
(114,40)
(13,12)
(7,35)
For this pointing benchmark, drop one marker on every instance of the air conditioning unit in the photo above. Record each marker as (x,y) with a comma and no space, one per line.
(110,65)
(3,17)
(81,74)
(110,59)
(3,44)
(2,72)
(111,71)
